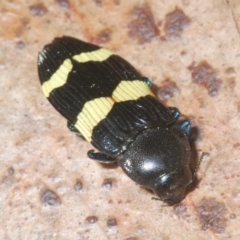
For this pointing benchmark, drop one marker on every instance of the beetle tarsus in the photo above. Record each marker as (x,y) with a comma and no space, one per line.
(175,112)
(101,157)
(71,127)
(186,126)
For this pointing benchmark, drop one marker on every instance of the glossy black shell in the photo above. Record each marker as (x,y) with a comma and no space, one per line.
(142,135)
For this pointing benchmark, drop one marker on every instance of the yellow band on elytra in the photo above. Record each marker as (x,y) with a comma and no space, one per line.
(58,79)
(98,56)
(97,109)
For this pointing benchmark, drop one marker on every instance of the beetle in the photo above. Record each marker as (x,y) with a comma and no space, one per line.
(106,100)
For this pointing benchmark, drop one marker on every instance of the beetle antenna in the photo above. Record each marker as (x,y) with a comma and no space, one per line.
(156,199)
(197,167)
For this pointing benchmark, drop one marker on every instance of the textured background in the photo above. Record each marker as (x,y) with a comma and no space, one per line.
(50,189)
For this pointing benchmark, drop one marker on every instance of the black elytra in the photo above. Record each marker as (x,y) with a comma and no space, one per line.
(111,105)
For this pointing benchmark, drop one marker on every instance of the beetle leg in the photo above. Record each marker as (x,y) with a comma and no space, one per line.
(175,112)
(71,127)
(147,81)
(185,126)
(101,157)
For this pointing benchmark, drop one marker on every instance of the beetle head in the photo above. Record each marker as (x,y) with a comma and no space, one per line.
(171,187)
(159,159)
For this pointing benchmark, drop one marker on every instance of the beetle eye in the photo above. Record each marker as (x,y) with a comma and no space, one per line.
(171,187)
(171,193)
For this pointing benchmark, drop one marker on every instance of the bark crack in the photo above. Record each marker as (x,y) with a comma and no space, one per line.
(234,17)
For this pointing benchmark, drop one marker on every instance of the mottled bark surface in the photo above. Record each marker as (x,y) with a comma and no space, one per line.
(51,190)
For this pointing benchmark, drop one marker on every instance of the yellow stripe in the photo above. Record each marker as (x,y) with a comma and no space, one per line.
(98,56)
(131,90)
(96,110)
(58,79)
(92,113)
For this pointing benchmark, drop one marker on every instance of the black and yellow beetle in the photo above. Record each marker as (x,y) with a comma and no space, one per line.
(105,99)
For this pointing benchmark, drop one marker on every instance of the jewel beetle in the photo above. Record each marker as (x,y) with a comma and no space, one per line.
(111,105)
